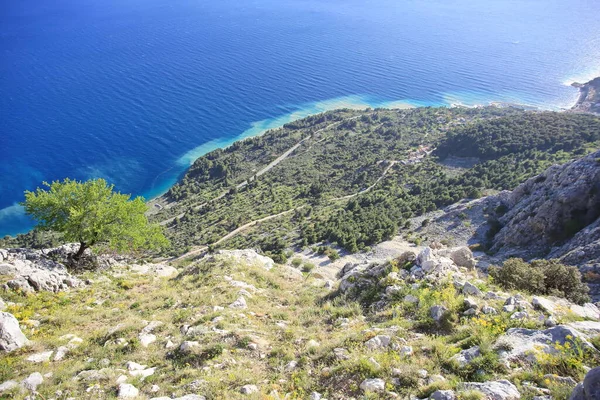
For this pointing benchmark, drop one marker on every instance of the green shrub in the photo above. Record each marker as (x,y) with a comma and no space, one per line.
(296,262)
(308,267)
(548,277)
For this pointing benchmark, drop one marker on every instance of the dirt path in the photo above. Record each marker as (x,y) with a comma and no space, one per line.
(250,224)
(263,171)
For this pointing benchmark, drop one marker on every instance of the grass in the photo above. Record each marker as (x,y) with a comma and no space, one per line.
(286,315)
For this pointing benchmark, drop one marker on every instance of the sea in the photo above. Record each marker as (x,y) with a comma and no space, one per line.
(134,91)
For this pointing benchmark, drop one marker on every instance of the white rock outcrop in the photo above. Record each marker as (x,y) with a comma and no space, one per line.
(11,337)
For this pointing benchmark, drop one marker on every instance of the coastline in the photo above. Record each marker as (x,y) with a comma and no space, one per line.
(356,102)
(589,97)
(155,195)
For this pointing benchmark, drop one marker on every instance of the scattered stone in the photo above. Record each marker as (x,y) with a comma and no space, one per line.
(341,354)
(61,352)
(550,322)
(409,298)
(406,350)
(249,389)
(561,380)
(471,289)
(443,395)
(154,388)
(463,257)
(494,390)
(188,346)
(40,357)
(33,381)
(315,396)
(8,385)
(249,257)
(11,337)
(519,315)
(312,343)
(470,303)
(291,365)
(373,385)
(437,312)
(378,342)
(240,303)
(466,356)
(488,310)
(146,339)
(127,391)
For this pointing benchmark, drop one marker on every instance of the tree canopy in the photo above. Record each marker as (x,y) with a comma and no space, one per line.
(91,213)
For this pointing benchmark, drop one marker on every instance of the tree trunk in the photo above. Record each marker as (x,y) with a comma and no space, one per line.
(82,247)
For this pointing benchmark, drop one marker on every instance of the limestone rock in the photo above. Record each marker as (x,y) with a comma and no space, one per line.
(249,389)
(240,303)
(494,390)
(8,385)
(127,391)
(463,257)
(525,343)
(249,257)
(33,381)
(378,342)
(11,337)
(443,395)
(40,357)
(159,270)
(437,312)
(471,289)
(373,385)
(466,356)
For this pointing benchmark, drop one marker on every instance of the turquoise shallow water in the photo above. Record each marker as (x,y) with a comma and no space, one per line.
(134,90)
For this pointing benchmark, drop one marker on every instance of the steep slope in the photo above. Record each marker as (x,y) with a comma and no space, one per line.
(549,209)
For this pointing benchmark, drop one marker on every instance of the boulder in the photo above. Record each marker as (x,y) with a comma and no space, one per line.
(590,388)
(378,342)
(249,389)
(240,303)
(159,270)
(463,257)
(127,391)
(11,337)
(33,381)
(443,395)
(8,385)
(249,257)
(494,390)
(40,357)
(466,356)
(373,385)
(471,289)
(524,344)
(437,312)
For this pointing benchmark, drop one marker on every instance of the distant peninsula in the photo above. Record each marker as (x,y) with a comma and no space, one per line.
(589,98)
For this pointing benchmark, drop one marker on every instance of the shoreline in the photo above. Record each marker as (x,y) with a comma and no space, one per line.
(355,102)
(155,196)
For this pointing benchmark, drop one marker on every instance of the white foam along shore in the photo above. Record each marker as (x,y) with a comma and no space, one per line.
(357,102)
(260,127)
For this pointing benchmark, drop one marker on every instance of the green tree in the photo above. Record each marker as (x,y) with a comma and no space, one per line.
(92,212)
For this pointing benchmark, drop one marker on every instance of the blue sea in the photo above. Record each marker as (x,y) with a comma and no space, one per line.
(135,90)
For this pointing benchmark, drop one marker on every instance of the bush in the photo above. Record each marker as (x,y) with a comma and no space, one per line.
(296,262)
(548,277)
(308,267)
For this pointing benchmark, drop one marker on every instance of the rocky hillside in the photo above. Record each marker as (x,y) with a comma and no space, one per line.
(545,213)
(589,99)
(424,324)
